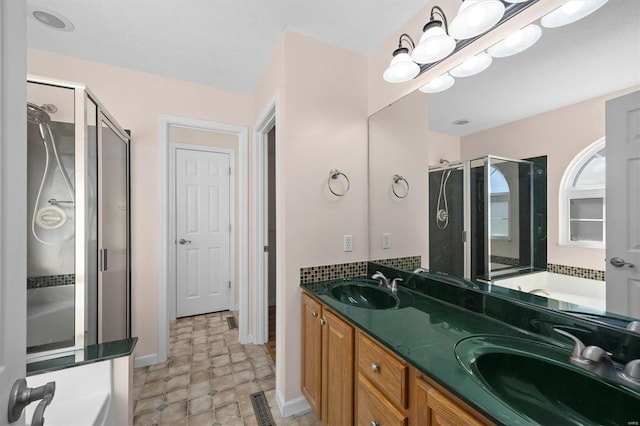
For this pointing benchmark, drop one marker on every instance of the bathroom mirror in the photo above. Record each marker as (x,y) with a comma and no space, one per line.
(546,101)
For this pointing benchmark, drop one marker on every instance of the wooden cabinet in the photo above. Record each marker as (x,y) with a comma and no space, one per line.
(374,408)
(337,371)
(387,391)
(437,407)
(382,394)
(327,363)
(312,353)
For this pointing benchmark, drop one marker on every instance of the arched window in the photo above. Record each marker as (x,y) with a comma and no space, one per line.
(499,204)
(582,197)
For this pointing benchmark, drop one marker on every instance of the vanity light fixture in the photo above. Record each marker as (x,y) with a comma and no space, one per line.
(570,12)
(402,68)
(476,17)
(435,43)
(516,42)
(438,84)
(472,66)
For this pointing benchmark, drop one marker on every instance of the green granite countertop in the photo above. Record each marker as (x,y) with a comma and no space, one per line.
(425,333)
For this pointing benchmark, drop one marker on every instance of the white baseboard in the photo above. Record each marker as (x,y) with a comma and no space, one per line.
(293,406)
(145,360)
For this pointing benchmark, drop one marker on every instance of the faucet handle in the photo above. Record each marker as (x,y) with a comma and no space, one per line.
(632,369)
(578,347)
(394,283)
(634,326)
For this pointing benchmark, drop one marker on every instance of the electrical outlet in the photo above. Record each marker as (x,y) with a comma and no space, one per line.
(348,243)
(386,241)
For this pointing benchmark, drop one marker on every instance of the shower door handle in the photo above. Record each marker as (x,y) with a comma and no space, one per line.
(103,259)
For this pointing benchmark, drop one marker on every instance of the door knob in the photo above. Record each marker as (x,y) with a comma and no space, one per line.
(183,241)
(21,396)
(619,262)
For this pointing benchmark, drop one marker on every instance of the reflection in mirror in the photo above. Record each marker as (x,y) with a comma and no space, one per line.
(545,103)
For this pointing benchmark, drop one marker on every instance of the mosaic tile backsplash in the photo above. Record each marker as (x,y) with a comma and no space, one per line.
(574,271)
(353,269)
(51,281)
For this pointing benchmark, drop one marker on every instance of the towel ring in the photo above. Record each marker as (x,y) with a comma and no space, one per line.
(334,174)
(397,179)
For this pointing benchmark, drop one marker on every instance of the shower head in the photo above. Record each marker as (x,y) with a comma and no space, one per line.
(36,114)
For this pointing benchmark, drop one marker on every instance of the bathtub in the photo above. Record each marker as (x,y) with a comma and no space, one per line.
(576,290)
(50,314)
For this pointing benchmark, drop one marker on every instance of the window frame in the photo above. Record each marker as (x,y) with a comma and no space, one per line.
(569,192)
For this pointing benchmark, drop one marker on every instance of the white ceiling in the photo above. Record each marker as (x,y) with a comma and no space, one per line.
(221,43)
(593,57)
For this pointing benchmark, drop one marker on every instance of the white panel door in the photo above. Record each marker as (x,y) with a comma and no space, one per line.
(623,204)
(202,231)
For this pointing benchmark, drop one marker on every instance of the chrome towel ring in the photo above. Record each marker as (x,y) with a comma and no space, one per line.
(335,174)
(396,180)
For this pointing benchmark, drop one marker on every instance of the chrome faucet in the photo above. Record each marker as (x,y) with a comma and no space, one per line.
(419,270)
(598,361)
(385,282)
(591,358)
(382,280)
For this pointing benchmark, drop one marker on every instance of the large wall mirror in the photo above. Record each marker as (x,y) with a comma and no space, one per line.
(547,103)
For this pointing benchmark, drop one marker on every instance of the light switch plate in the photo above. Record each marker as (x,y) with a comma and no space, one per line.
(386,241)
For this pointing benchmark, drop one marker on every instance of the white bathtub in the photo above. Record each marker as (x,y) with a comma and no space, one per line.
(580,291)
(50,314)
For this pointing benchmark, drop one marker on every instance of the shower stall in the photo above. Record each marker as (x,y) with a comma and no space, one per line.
(481,217)
(78,262)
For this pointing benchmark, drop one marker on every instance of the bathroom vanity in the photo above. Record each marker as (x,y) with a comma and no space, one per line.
(443,356)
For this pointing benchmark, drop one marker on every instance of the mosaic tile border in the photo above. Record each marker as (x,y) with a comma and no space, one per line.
(51,281)
(574,271)
(503,260)
(406,263)
(313,274)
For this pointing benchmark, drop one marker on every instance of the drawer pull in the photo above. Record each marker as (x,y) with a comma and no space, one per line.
(314,314)
(322,321)
(374,423)
(375,367)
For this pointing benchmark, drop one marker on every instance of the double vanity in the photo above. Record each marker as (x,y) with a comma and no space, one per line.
(432,352)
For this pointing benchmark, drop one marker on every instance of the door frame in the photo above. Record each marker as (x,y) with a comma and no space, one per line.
(172,289)
(13,199)
(268,119)
(164,121)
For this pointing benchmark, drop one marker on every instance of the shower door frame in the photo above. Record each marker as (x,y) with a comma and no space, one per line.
(82,96)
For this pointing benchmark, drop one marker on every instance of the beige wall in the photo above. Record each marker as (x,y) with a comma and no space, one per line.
(560,134)
(325,120)
(136,99)
(400,143)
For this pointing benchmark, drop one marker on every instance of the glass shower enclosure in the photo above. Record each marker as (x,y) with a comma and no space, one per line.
(480,217)
(78,257)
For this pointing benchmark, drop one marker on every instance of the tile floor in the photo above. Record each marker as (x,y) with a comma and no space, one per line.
(207,379)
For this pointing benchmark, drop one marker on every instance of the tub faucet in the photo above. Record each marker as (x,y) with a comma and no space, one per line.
(419,270)
(591,358)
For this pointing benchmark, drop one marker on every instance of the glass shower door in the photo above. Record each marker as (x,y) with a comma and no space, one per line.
(114,294)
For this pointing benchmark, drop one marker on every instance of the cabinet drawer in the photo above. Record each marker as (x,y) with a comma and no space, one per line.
(383,369)
(374,408)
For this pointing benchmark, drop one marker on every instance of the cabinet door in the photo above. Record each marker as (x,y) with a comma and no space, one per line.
(374,408)
(337,371)
(312,353)
(435,409)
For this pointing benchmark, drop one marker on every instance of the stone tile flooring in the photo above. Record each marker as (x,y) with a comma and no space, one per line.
(207,379)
